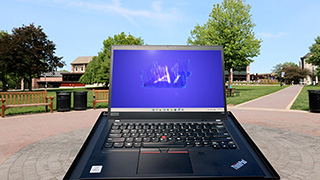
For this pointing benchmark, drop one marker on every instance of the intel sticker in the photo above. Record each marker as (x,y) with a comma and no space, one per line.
(96,169)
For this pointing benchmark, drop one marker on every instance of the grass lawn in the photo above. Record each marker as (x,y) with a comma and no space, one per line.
(302,101)
(52,93)
(248,93)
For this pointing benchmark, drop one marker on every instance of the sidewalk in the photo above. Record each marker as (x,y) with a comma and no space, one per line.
(289,139)
(42,146)
(282,99)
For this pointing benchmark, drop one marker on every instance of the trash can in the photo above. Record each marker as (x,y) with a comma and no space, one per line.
(314,101)
(63,101)
(80,100)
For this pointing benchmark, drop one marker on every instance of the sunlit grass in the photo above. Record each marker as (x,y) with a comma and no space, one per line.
(251,92)
(302,101)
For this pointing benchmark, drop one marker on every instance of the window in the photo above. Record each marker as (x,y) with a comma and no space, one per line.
(76,68)
(81,68)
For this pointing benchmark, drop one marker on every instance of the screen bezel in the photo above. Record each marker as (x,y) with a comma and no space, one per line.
(150,114)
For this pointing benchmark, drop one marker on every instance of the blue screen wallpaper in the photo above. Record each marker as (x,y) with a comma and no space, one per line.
(167,79)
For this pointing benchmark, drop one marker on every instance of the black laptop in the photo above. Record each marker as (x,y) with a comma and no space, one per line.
(167,119)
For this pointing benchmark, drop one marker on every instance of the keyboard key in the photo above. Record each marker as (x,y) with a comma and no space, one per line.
(108,145)
(125,131)
(126,135)
(155,139)
(118,145)
(206,143)
(225,146)
(115,127)
(129,139)
(137,145)
(215,145)
(133,131)
(163,139)
(139,139)
(116,139)
(198,143)
(190,144)
(221,138)
(162,145)
(146,139)
(115,135)
(113,131)
(128,144)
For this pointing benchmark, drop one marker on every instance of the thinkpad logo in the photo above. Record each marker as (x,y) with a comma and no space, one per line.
(239,164)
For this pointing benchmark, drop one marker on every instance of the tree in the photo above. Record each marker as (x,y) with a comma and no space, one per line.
(6,59)
(231,26)
(318,71)
(295,74)
(97,70)
(34,53)
(314,57)
(277,69)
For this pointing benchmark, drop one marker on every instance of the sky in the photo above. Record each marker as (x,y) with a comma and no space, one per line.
(79,27)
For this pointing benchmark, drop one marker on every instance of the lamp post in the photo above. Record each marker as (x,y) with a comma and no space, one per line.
(45,79)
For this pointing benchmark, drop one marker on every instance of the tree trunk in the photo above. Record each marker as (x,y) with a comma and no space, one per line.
(30,83)
(4,84)
(229,79)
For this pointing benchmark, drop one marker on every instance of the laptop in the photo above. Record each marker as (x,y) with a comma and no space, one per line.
(167,119)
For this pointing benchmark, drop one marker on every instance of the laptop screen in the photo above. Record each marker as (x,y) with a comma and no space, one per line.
(167,79)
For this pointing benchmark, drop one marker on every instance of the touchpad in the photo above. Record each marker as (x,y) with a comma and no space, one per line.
(164,163)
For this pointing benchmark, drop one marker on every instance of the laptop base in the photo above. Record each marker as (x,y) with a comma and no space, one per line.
(245,162)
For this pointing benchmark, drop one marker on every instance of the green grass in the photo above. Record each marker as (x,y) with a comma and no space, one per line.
(302,101)
(52,93)
(248,93)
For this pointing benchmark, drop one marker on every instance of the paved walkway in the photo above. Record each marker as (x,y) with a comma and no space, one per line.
(42,146)
(282,99)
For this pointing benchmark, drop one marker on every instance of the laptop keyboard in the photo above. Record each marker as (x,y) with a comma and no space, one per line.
(169,135)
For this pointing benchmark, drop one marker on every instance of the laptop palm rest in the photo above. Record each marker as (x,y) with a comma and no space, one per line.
(164,163)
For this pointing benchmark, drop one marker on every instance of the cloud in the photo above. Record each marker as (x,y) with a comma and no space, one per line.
(154,13)
(271,35)
(157,14)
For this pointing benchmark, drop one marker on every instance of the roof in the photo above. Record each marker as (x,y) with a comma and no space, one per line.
(306,56)
(52,74)
(82,60)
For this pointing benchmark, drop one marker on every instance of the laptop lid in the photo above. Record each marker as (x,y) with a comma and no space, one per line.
(166,81)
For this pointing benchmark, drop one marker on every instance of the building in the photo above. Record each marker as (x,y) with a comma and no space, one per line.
(241,74)
(78,67)
(58,79)
(45,80)
(303,65)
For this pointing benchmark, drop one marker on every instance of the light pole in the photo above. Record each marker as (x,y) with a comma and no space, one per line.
(45,79)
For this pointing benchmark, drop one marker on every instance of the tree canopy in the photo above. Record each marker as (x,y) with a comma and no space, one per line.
(27,53)
(295,74)
(97,70)
(230,25)
(6,61)
(277,69)
(314,57)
